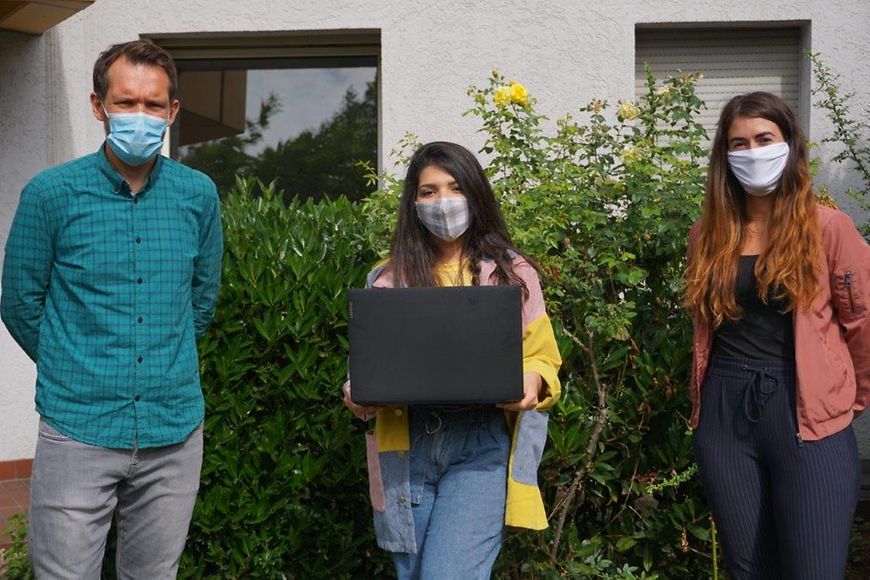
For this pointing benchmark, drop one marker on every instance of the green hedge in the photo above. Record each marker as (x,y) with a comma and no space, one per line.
(283,487)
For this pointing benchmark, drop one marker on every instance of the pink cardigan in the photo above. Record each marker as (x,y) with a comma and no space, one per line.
(832,337)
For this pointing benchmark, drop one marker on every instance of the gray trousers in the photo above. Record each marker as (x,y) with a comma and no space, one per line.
(76,488)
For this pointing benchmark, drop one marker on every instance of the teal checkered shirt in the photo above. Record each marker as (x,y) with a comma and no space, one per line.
(108,293)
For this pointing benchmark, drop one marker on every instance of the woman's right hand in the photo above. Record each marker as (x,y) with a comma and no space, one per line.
(364,413)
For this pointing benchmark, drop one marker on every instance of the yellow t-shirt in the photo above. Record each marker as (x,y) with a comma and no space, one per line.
(449,274)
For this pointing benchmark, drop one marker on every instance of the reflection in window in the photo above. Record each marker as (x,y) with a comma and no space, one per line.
(305,128)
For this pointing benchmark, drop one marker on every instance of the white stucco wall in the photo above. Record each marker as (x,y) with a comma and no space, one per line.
(565,51)
(22,153)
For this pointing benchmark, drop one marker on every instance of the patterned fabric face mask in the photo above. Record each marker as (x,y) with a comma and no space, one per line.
(447,217)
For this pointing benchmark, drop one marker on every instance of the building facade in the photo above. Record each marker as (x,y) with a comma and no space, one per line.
(425,56)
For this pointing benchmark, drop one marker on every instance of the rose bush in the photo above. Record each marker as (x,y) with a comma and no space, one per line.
(603,201)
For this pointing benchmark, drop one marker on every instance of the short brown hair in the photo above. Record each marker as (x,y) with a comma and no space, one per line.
(137,52)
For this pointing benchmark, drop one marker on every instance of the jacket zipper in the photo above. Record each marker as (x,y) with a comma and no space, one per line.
(848,281)
(797,398)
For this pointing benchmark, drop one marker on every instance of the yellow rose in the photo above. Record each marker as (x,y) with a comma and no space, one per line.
(627,110)
(597,105)
(502,96)
(519,94)
(630,154)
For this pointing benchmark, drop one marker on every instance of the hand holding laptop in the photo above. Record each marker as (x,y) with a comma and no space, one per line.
(364,412)
(534,390)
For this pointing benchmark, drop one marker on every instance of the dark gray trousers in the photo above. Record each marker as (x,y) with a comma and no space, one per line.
(783,507)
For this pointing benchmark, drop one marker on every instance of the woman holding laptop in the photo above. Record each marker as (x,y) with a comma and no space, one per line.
(445,480)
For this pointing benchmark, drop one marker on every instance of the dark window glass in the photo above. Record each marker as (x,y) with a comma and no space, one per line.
(308,129)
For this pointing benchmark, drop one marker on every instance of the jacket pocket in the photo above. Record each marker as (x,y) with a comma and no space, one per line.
(849,294)
(376,482)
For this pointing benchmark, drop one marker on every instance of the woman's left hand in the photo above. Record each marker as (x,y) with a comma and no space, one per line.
(532,386)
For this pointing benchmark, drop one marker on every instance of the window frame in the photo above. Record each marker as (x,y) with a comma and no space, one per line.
(804,100)
(274,50)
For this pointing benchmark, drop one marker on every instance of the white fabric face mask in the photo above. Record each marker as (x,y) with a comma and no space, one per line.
(447,217)
(759,170)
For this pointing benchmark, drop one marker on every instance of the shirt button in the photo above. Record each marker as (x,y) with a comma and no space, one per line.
(140,320)
(138,240)
(398,412)
(136,398)
(135,200)
(139,281)
(139,359)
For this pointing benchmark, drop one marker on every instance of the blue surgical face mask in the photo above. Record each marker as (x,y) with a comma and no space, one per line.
(135,137)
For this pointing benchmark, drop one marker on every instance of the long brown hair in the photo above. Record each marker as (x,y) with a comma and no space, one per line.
(786,268)
(413,255)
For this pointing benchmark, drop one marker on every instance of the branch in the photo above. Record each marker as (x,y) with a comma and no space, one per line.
(576,485)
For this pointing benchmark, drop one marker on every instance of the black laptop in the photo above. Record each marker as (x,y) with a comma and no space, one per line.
(436,346)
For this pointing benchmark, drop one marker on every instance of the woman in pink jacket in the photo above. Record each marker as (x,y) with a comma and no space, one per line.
(779,289)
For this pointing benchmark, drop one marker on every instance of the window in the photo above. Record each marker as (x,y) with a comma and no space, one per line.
(299,109)
(732,61)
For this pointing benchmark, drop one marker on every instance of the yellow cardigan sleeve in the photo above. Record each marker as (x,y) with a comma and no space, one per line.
(541,355)
(540,351)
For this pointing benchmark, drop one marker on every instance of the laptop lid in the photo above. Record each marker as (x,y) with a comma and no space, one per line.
(436,345)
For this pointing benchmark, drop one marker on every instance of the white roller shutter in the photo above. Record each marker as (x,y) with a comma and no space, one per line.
(733,61)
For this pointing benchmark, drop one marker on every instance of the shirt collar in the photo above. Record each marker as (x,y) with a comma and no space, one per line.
(119,185)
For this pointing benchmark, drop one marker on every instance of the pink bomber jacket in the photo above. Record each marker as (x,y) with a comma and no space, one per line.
(832,337)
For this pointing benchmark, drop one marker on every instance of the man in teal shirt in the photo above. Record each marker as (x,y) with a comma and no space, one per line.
(111,274)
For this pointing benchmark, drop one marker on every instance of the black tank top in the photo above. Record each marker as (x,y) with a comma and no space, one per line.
(763,331)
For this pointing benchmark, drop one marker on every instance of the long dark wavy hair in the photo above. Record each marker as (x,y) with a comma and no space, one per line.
(413,253)
(786,269)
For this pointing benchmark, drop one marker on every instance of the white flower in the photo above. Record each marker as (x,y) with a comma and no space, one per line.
(618,210)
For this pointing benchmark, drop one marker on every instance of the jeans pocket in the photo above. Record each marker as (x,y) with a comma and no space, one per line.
(376,482)
(46,431)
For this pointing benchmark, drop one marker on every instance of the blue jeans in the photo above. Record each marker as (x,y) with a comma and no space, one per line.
(459,459)
(76,488)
